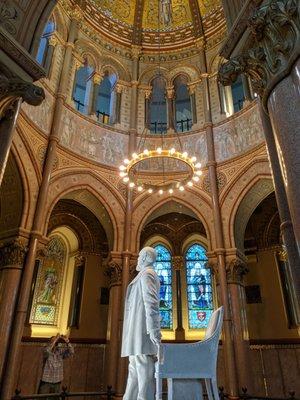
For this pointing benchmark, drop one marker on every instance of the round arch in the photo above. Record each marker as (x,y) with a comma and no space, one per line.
(94,194)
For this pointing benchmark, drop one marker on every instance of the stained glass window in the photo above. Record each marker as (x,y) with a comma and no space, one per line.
(163,267)
(199,287)
(47,294)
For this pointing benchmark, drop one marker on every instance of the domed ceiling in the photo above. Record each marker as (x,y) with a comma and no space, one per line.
(138,21)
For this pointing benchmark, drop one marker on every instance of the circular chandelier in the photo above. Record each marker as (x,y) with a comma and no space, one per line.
(137,173)
(134,179)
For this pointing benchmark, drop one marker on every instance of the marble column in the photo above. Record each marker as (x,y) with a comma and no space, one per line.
(231,368)
(236,268)
(270,56)
(118,104)
(147,93)
(170,107)
(12,255)
(178,265)
(284,111)
(286,227)
(246,88)
(192,89)
(36,234)
(97,79)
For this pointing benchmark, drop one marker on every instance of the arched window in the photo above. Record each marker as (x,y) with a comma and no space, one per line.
(163,267)
(183,108)
(82,88)
(44,56)
(158,106)
(199,287)
(49,280)
(105,102)
(238,95)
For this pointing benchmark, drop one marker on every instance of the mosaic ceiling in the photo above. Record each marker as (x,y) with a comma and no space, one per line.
(124,10)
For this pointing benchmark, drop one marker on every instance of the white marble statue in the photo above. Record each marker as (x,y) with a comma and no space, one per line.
(141,329)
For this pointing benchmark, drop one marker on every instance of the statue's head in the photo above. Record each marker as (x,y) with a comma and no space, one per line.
(147,256)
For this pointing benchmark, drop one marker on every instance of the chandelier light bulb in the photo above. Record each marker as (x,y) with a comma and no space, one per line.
(150,191)
(184,154)
(181,188)
(194,159)
(122,174)
(171,191)
(196,178)
(126,161)
(146,151)
(131,184)
(126,179)
(159,150)
(122,167)
(140,188)
(190,183)
(172,150)
(199,173)
(160,191)
(134,156)
(198,165)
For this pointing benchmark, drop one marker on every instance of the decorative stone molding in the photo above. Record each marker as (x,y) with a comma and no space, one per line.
(136,51)
(12,87)
(98,77)
(178,262)
(272,48)
(170,92)
(236,268)
(12,253)
(114,269)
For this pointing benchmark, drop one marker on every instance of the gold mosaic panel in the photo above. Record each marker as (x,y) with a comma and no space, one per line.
(207,6)
(181,15)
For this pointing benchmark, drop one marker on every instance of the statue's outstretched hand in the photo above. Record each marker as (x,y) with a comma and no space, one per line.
(155,337)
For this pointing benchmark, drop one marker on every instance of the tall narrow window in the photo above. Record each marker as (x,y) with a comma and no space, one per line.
(106,99)
(238,95)
(158,106)
(43,50)
(82,87)
(199,287)
(183,109)
(163,267)
(47,293)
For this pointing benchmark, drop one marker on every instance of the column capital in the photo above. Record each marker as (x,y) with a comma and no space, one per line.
(170,92)
(178,262)
(147,92)
(191,88)
(77,13)
(12,88)
(114,272)
(13,252)
(274,37)
(236,268)
(98,77)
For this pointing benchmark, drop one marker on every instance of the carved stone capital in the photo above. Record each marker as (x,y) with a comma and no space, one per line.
(170,92)
(12,253)
(98,77)
(147,93)
(114,272)
(236,268)
(136,51)
(178,262)
(13,88)
(272,47)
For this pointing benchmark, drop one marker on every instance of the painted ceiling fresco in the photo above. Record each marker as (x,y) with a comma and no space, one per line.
(124,10)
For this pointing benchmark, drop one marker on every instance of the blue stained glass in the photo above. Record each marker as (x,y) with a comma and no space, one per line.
(163,267)
(199,287)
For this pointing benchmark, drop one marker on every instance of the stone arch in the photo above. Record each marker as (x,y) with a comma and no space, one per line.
(252,170)
(88,52)
(192,73)
(255,194)
(116,66)
(60,22)
(148,75)
(146,208)
(215,63)
(93,193)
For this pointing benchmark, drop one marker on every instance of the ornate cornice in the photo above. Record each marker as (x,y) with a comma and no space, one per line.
(20,56)
(272,48)
(12,253)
